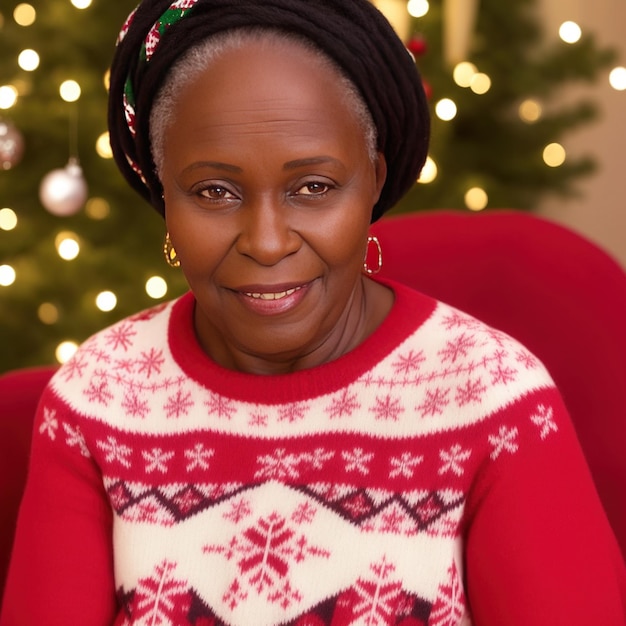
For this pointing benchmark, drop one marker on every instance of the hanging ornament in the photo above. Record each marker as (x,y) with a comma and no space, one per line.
(63,191)
(417,45)
(459,19)
(11,145)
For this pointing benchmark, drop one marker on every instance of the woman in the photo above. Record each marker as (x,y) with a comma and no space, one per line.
(293,442)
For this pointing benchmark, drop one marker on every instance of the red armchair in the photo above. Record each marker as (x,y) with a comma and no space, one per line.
(556,292)
(19,396)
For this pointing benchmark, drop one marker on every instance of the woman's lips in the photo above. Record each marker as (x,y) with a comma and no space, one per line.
(272,300)
(276,295)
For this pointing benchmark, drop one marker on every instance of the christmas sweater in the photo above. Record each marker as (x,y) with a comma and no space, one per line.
(428,477)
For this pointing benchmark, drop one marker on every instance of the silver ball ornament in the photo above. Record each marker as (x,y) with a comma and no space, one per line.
(63,192)
(11,145)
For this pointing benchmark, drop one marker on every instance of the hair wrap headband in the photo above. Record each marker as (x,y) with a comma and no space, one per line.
(351,32)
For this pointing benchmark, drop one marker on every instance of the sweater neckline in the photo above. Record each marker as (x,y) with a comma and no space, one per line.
(409,311)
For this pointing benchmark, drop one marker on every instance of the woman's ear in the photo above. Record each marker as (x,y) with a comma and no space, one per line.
(381,174)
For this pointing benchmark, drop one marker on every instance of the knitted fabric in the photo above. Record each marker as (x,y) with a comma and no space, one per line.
(348,494)
(351,32)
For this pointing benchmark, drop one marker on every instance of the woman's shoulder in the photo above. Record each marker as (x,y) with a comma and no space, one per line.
(137,345)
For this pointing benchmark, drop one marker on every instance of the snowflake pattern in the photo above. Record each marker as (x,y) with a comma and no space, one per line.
(378,597)
(120,337)
(75,438)
(161,599)
(435,403)
(178,404)
(50,423)
(457,348)
(293,412)
(387,408)
(343,405)
(157,460)
(278,466)
(239,510)
(449,608)
(115,452)
(505,440)
(404,465)
(265,553)
(99,391)
(198,457)
(135,405)
(150,362)
(220,406)
(409,363)
(452,460)
(74,368)
(304,513)
(357,460)
(471,391)
(543,418)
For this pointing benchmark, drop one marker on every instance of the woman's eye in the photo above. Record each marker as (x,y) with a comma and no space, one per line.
(313,189)
(216,192)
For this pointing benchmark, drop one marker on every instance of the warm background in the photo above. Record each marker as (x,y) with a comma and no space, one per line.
(70,267)
(601,212)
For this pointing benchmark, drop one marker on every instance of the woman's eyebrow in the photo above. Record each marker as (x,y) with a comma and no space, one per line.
(218,165)
(290,165)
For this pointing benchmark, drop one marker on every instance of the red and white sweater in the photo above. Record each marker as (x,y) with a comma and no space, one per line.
(430,476)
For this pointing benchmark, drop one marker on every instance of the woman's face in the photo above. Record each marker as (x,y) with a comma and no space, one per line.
(268,192)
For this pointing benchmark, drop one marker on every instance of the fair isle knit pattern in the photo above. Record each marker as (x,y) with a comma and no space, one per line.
(315,498)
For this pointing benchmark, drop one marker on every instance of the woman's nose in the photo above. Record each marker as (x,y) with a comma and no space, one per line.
(265,232)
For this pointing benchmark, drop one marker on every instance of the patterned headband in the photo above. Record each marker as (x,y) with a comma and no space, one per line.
(175,12)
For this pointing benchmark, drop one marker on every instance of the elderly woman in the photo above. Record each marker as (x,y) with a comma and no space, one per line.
(293,442)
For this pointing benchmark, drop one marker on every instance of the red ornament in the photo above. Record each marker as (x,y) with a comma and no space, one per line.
(417,45)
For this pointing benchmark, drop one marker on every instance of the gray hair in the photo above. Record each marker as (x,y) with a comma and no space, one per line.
(198,58)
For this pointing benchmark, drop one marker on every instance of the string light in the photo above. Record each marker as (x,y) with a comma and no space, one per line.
(476,199)
(7,275)
(417,8)
(429,172)
(554,155)
(446,109)
(28,60)
(70,90)
(103,146)
(156,287)
(530,111)
(106,301)
(570,32)
(97,208)
(65,351)
(8,96)
(67,245)
(24,14)
(617,78)
(480,83)
(48,313)
(8,219)
(463,73)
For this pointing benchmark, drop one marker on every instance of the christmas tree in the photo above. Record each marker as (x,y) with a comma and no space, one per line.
(112,240)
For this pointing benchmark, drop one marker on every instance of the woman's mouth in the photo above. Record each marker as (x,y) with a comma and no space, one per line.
(272,300)
(276,295)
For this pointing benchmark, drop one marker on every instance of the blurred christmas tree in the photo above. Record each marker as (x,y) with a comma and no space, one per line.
(46,299)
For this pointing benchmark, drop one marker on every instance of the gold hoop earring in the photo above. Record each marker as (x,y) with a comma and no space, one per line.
(379,252)
(171,258)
